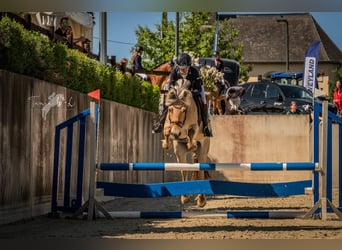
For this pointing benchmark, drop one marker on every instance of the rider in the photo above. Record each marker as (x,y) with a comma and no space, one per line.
(184,70)
(136,58)
(136,62)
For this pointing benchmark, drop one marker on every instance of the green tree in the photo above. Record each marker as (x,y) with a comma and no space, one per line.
(196,34)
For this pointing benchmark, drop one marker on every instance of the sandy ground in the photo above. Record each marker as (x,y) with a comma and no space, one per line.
(44,227)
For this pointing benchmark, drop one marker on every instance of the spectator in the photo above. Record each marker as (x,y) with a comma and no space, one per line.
(233,97)
(65,32)
(122,66)
(293,109)
(338,97)
(218,62)
(63,24)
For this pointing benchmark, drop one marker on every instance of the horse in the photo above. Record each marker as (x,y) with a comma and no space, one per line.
(184,128)
(160,75)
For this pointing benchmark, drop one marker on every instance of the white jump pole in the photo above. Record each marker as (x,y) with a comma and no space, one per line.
(92,161)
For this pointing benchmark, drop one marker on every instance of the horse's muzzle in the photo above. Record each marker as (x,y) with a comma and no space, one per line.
(175,131)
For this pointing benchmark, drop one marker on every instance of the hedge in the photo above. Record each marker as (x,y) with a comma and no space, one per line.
(30,53)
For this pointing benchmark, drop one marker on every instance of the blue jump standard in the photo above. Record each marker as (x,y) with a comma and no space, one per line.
(257,166)
(208,187)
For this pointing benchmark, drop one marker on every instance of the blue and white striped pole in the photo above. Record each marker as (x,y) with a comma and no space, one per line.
(197,214)
(257,166)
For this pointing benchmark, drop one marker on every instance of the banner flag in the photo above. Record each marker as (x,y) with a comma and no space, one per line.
(311,66)
(95,94)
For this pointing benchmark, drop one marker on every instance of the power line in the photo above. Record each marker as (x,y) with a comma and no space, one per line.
(116,41)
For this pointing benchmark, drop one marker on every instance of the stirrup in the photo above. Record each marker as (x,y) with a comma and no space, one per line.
(207,132)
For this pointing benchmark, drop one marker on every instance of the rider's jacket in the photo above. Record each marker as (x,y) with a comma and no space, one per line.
(193,76)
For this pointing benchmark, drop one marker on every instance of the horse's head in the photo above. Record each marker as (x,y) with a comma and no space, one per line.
(178,102)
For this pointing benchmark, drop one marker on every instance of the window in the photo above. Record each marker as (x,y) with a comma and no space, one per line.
(272,91)
(258,90)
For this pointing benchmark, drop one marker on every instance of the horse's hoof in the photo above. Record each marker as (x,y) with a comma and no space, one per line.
(201,201)
(165,145)
(192,146)
(185,199)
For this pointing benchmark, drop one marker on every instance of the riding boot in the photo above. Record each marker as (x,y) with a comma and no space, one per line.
(158,123)
(206,130)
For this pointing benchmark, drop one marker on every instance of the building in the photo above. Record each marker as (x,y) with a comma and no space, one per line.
(278,42)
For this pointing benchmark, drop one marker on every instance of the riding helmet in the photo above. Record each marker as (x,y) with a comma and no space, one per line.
(183,60)
(139,48)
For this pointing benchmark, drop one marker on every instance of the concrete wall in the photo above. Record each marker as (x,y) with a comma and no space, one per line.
(261,138)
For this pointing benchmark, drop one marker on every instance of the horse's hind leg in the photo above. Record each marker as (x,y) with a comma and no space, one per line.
(200,198)
(198,175)
(184,198)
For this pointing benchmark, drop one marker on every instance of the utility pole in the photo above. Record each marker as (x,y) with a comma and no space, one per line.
(216,32)
(103,37)
(177,34)
(284,20)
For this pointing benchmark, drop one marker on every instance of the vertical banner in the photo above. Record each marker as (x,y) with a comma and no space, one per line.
(311,66)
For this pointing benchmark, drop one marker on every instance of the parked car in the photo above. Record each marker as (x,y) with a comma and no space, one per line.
(275,98)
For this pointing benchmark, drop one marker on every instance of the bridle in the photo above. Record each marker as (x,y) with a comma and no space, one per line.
(178,105)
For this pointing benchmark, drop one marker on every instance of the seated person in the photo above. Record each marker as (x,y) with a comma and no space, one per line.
(65,31)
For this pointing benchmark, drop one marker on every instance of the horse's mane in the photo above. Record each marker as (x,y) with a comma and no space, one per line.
(181,96)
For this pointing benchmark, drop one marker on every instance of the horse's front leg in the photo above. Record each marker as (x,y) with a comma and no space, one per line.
(191,143)
(166,140)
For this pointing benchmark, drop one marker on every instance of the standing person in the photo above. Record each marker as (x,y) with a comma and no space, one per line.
(218,62)
(184,70)
(293,109)
(338,97)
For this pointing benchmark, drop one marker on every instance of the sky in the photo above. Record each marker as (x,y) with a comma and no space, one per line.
(121,28)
